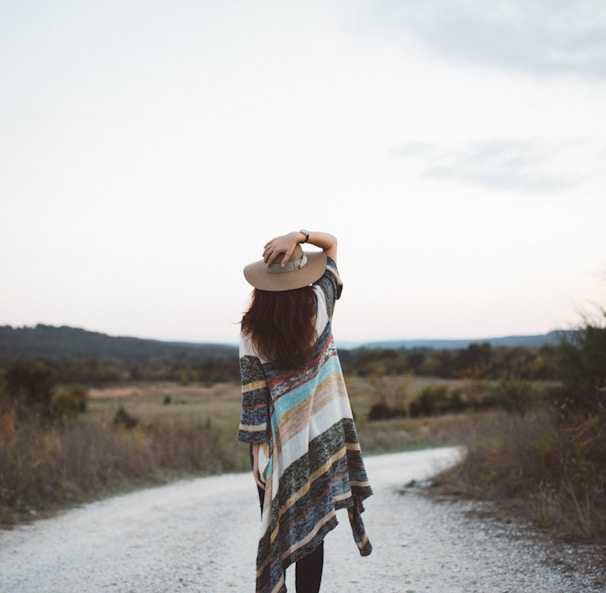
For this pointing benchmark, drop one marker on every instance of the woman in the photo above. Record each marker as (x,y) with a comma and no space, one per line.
(296,414)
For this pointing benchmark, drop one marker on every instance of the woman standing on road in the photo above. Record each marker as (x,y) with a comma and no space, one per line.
(296,413)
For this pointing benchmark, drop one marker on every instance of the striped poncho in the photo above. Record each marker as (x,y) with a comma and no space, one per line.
(312,463)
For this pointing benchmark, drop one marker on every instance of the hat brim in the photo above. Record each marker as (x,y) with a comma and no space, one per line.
(260,277)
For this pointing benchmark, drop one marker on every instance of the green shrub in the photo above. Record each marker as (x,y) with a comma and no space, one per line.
(582,370)
(457,403)
(431,401)
(69,401)
(513,395)
(29,387)
(123,419)
(381,411)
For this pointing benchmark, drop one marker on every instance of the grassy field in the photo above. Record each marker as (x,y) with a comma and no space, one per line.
(167,431)
(548,472)
(551,473)
(166,404)
(217,408)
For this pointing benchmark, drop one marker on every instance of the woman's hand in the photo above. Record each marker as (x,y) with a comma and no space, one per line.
(284,244)
(256,472)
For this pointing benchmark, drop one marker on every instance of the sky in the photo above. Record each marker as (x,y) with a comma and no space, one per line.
(456,149)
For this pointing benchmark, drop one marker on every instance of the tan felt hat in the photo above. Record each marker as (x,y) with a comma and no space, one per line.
(302,269)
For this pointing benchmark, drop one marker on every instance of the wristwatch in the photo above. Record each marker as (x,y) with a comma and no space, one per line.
(306,233)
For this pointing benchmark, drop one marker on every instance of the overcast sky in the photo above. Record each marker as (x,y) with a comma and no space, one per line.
(455,147)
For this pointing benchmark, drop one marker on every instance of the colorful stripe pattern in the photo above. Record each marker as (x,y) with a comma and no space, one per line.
(314,463)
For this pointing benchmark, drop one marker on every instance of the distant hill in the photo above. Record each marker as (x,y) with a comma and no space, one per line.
(69,343)
(65,343)
(533,341)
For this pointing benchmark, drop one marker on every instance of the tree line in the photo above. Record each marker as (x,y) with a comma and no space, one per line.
(476,361)
(577,364)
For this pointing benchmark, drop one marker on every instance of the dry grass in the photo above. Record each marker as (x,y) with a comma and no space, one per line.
(400,434)
(399,391)
(180,430)
(165,404)
(551,473)
(538,469)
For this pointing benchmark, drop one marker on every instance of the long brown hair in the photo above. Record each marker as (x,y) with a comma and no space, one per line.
(281,324)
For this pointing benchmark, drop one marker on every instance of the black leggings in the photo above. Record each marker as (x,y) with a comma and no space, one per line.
(308,570)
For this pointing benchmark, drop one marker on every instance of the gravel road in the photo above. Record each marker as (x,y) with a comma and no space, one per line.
(200,536)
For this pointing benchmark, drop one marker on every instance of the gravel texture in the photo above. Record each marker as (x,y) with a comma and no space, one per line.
(200,536)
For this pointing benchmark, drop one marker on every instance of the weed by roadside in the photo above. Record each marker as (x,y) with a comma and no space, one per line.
(538,468)
(43,469)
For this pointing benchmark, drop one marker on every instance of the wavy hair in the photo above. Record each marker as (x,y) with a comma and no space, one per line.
(281,325)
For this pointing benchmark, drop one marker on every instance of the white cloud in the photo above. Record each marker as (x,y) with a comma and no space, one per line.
(543,37)
(523,166)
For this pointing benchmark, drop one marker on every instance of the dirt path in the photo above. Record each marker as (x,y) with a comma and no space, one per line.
(200,536)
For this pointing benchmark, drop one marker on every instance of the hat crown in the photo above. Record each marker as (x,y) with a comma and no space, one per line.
(297,261)
(302,269)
